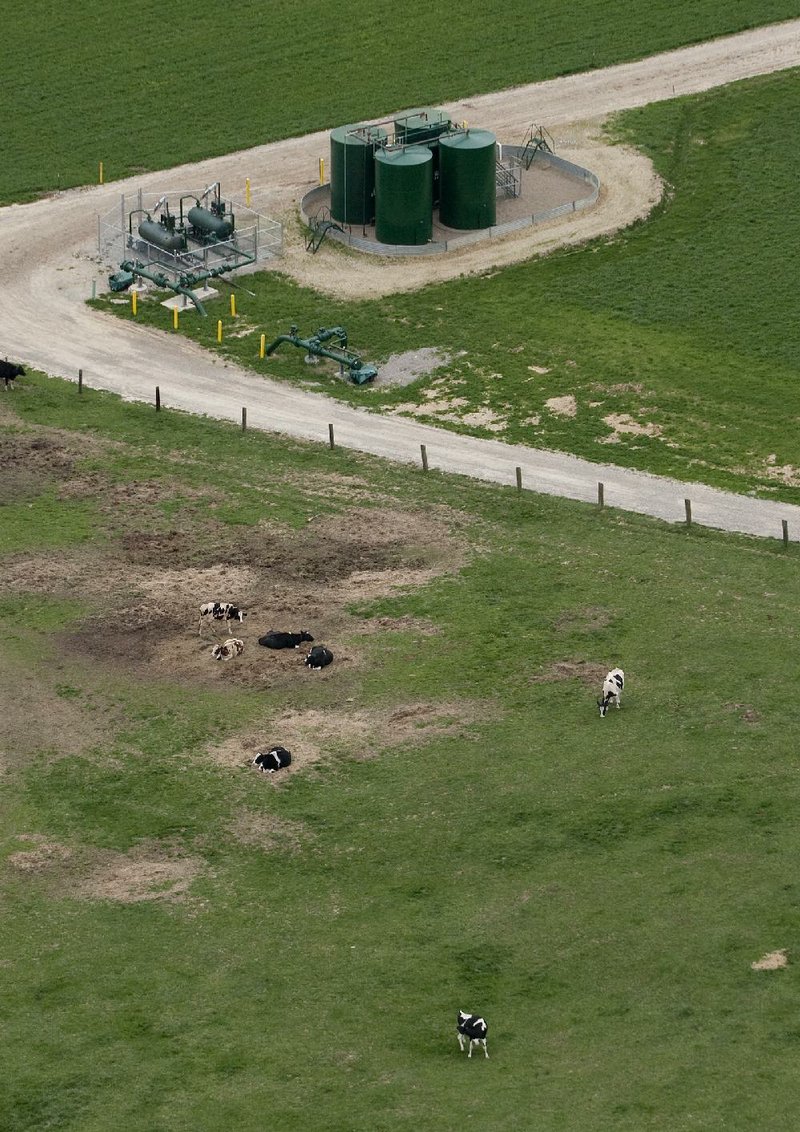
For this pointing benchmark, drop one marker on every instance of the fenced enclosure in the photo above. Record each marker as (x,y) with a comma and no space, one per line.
(255,239)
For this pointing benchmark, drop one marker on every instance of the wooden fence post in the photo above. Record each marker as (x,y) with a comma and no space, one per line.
(80,381)
(330,435)
(424,452)
(158,400)
(785,527)
(600,495)
(244,419)
(519,478)
(687,503)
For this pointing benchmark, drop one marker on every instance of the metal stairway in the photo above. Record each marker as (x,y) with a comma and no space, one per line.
(536,140)
(319,226)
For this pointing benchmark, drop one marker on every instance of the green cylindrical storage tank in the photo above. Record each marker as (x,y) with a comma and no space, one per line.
(404,195)
(157,234)
(467,192)
(209,223)
(419,127)
(353,173)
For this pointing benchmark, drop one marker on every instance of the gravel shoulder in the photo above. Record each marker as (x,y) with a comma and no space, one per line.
(48,261)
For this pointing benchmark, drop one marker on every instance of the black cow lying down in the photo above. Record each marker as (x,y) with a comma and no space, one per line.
(9,371)
(276,758)
(318,658)
(277,640)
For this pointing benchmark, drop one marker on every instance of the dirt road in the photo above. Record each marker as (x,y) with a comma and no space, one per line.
(48,262)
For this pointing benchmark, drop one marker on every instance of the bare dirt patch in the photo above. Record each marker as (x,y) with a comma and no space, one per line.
(402,369)
(32,458)
(623,423)
(285,579)
(748,713)
(148,872)
(772,961)
(315,736)
(565,406)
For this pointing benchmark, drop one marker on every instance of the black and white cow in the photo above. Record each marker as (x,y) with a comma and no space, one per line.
(219,611)
(472,1027)
(612,689)
(318,658)
(276,758)
(234,646)
(9,371)
(277,640)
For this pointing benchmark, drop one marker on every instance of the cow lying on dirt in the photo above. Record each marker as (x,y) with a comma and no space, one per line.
(228,649)
(277,640)
(276,758)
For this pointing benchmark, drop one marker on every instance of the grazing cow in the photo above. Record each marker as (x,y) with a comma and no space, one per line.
(9,371)
(318,657)
(277,640)
(276,758)
(228,649)
(473,1027)
(612,689)
(219,611)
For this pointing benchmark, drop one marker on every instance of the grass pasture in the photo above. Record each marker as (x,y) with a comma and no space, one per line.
(126,87)
(188,945)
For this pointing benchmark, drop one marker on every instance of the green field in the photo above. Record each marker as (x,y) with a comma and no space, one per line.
(138,88)
(598,888)
(189,946)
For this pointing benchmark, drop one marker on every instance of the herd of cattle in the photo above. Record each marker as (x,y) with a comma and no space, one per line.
(318,657)
(471,1027)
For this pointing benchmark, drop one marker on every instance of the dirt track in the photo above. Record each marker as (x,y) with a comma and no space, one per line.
(48,263)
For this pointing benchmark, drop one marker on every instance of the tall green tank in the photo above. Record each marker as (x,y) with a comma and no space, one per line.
(419,126)
(353,173)
(424,127)
(404,195)
(467,191)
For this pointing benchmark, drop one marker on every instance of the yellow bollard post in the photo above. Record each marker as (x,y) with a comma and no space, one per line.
(322,170)
(263,347)
(233,306)
(174,318)
(101,172)
(219,330)
(133,302)
(247,191)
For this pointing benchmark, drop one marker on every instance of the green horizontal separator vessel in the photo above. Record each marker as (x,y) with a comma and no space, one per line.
(423,127)
(404,195)
(467,192)
(353,172)
(164,238)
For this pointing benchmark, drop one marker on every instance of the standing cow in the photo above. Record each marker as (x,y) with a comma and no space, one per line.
(9,372)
